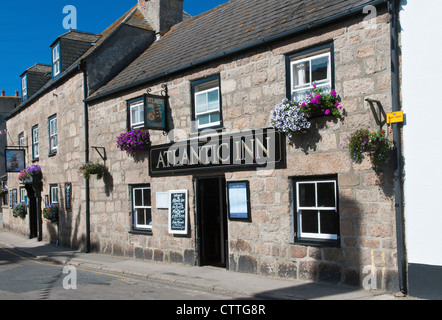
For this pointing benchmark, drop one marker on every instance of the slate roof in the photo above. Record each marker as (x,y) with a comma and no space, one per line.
(40,68)
(133,17)
(228,28)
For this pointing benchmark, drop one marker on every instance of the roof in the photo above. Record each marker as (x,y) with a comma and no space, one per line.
(133,17)
(231,27)
(78,36)
(38,67)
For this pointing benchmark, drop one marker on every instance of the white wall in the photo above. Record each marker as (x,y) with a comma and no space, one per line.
(421,23)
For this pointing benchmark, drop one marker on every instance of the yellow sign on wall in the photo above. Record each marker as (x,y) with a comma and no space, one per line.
(395,117)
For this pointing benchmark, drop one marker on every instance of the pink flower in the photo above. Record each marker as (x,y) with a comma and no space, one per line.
(333,92)
(314,85)
(327,112)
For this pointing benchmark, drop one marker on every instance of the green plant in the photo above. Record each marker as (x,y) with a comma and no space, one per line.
(364,142)
(51,212)
(91,168)
(19,210)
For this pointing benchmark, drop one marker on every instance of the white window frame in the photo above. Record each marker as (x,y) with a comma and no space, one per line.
(56,60)
(21,140)
(35,143)
(319,235)
(142,207)
(53,136)
(54,194)
(325,84)
(215,87)
(140,106)
(24,87)
(23,194)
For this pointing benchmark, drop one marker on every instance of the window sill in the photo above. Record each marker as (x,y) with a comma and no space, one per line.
(142,232)
(52,154)
(317,242)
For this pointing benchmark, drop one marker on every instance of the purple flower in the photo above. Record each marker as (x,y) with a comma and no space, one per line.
(333,93)
(327,112)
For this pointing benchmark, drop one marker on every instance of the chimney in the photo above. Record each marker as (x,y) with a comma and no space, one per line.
(162,14)
(3,93)
(16,93)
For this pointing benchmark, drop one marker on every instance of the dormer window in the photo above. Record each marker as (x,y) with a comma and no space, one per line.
(24,87)
(56,60)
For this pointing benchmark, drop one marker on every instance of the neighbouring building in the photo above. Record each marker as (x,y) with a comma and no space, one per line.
(218,185)
(7,104)
(423,174)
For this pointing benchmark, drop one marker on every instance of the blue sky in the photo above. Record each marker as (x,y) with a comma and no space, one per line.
(28,27)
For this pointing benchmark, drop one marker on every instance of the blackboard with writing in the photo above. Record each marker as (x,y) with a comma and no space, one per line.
(68,196)
(178,208)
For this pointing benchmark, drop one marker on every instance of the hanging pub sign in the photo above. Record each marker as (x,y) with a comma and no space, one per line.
(178,208)
(15,160)
(262,148)
(155,110)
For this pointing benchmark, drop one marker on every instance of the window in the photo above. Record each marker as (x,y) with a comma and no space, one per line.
(207,103)
(136,113)
(21,140)
(22,194)
(54,193)
(24,87)
(35,144)
(56,60)
(141,208)
(53,142)
(316,209)
(308,68)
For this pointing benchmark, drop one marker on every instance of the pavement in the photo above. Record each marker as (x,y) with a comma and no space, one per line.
(214,279)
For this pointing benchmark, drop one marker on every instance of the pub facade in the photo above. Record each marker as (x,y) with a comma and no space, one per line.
(215,181)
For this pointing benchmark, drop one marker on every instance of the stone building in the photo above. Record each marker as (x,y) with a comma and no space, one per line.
(254,199)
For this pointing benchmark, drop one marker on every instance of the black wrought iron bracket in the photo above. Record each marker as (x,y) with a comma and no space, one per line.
(379,114)
(102,154)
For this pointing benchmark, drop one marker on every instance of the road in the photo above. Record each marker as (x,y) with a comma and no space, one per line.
(22,277)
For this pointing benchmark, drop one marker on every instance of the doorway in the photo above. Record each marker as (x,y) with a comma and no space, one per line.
(212,222)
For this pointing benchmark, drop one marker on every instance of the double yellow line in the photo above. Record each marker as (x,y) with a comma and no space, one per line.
(55,265)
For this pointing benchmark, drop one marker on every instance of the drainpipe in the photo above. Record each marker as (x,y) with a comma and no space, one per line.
(82,66)
(393,8)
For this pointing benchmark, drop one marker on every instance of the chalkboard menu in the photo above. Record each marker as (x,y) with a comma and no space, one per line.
(178,207)
(68,196)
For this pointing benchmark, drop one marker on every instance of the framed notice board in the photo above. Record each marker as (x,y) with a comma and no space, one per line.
(239,200)
(178,211)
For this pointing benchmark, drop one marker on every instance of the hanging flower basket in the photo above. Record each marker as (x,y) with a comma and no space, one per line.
(92,168)
(374,144)
(294,116)
(3,191)
(134,141)
(50,213)
(30,175)
(19,210)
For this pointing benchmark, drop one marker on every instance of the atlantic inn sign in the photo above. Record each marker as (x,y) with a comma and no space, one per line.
(264,148)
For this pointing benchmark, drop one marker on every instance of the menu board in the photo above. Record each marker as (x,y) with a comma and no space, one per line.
(239,200)
(178,207)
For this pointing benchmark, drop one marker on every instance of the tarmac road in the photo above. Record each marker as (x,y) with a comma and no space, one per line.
(22,277)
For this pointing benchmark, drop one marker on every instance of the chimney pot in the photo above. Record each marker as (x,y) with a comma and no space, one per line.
(3,93)
(16,93)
